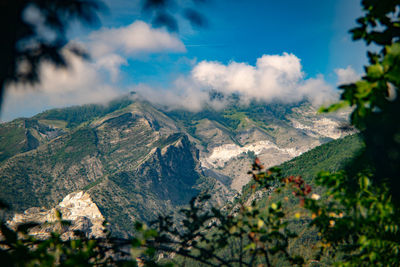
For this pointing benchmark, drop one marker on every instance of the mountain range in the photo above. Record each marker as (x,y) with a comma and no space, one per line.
(136,159)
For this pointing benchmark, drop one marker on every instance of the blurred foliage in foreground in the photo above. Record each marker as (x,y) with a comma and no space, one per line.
(356,218)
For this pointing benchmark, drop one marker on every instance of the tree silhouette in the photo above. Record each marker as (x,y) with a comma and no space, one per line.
(24,46)
(162,10)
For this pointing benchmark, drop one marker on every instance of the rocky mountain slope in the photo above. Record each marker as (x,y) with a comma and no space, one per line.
(229,140)
(136,159)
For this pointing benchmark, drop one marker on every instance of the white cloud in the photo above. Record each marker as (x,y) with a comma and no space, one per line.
(80,76)
(347,75)
(138,37)
(186,96)
(318,91)
(112,63)
(80,83)
(274,78)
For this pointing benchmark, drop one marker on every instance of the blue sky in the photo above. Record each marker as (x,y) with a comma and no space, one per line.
(313,33)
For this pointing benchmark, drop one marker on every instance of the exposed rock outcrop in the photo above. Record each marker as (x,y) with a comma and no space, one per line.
(78,208)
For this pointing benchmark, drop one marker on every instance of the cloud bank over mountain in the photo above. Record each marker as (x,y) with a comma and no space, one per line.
(274,78)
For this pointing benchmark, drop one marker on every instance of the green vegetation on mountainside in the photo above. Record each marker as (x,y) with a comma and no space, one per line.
(12,137)
(236,117)
(22,135)
(43,176)
(25,134)
(79,114)
(189,119)
(332,156)
(81,143)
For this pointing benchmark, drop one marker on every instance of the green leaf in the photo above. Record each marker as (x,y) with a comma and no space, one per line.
(393,49)
(334,107)
(364,182)
(358,33)
(250,246)
(373,256)
(375,71)
(364,89)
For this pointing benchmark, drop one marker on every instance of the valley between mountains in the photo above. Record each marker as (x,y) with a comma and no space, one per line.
(134,160)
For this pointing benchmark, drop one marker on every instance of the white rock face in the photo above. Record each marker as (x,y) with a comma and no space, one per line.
(316,125)
(226,159)
(80,205)
(78,208)
(222,154)
(323,127)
